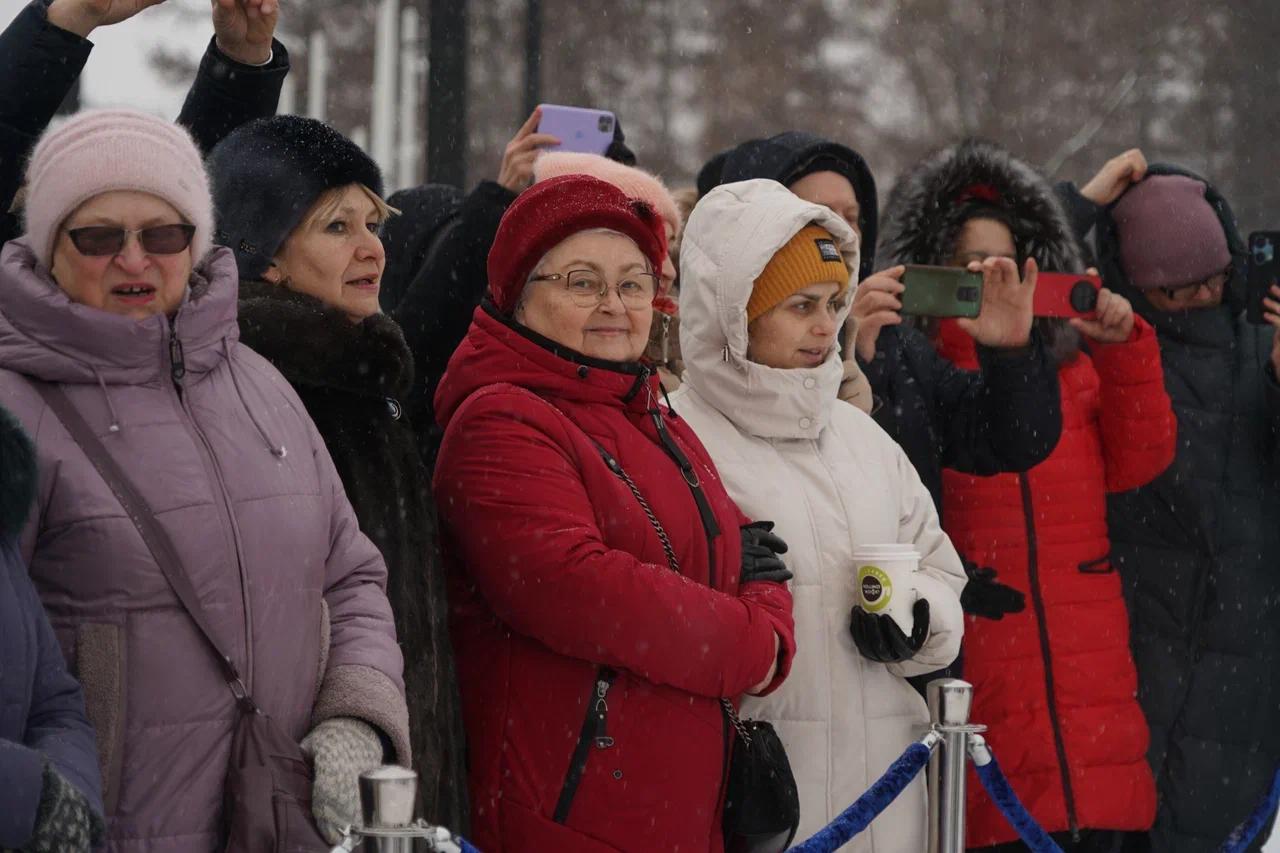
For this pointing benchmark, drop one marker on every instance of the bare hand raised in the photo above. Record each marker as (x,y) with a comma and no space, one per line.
(84,16)
(244,29)
(516,172)
(1007,299)
(876,303)
(1115,177)
(1114,322)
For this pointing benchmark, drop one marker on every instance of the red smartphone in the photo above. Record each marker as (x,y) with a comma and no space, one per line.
(1061,294)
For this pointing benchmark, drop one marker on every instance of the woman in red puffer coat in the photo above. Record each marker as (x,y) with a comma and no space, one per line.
(1055,682)
(591,670)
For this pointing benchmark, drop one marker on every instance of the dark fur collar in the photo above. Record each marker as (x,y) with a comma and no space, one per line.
(17,476)
(315,345)
(922,219)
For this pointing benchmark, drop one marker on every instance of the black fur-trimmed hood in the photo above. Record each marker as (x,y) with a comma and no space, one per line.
(315,345)
(923,215)
(927,208)
(17,475)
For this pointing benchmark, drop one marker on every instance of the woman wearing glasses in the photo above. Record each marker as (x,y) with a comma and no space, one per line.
(301,205)
(112,305)
(602,605)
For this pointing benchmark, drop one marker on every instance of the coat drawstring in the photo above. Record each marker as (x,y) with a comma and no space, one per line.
(106,395)
(277,450)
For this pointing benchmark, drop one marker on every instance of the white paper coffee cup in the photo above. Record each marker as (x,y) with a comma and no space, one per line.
(884,581)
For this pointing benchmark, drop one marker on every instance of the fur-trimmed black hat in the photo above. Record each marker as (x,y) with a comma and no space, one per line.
(267,174)
(788,157)
(18,483)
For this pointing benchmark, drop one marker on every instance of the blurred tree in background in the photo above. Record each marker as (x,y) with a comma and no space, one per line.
(1065,86)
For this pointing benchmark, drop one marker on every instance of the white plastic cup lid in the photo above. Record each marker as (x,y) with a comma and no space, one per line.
(886,552)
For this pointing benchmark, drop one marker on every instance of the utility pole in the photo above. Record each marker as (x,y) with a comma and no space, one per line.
(447,93)
(532,55)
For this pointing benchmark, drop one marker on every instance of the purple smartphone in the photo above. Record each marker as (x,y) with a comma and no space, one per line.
(578,129)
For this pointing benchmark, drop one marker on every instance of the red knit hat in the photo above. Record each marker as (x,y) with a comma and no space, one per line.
(552,211)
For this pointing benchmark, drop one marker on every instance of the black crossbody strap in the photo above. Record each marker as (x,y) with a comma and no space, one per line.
(157,541)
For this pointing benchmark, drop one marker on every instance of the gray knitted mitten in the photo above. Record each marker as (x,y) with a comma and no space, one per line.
(65,823)
(340,749)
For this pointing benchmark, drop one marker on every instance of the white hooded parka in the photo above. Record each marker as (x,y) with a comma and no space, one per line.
(831,479)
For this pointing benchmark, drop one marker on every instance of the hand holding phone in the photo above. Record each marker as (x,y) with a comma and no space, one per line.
(941,291)
(1262,270)
(579,129)
(1061,294)
(876,304)
(516,171)
(1007,297)
(1114,321)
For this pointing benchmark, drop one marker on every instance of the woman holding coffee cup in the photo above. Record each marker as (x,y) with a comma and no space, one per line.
(766,291)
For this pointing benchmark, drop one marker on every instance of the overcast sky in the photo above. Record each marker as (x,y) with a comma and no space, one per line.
(118,74)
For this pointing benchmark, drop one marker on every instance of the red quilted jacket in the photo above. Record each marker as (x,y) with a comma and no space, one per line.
(590,671)
(1056,683)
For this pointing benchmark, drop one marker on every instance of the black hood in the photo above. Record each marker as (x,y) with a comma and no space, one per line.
(18,483)
(789,156)
(931,202)
(409,236)
(1108,248)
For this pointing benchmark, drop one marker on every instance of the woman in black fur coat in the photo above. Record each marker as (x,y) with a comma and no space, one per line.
(302,207)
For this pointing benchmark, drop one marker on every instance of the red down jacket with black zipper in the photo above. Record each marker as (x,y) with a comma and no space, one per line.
(590,671)
(1056,683)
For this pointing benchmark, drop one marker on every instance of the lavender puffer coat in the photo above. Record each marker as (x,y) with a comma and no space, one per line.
(224,453)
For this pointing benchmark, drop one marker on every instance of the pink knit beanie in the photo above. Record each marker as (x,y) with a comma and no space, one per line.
(636,183)
(100,151)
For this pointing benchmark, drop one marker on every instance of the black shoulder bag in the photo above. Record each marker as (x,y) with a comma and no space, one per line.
(762,804)
(267,793)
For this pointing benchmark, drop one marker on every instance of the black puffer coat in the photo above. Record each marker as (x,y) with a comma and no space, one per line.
(435,311)
(352,378)
(1199,551)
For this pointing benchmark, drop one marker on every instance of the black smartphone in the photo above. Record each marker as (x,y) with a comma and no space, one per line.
(941,292)
(1262,269)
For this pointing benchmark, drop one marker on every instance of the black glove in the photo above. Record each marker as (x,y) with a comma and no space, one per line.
(880,639)
(760,550)
(984,596)
(64,819)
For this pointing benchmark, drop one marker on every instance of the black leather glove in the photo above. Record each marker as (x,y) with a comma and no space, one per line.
(984,596)
(760,550)
(880,639)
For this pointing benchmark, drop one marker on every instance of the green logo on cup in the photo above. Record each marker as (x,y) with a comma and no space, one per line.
(875,588)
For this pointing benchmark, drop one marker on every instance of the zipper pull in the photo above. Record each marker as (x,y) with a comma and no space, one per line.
(603,741)
(178,365)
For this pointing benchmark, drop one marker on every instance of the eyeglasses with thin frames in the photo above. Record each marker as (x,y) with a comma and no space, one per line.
(587,288)
(1214,282)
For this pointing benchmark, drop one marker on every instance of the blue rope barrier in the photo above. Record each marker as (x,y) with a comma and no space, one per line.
(1244,834)
(1001,792)
(467,846)
(868,807)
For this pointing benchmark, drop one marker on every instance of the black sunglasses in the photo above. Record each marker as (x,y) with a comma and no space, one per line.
(98,240)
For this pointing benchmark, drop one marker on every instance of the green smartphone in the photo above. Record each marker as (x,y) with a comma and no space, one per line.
(941,292)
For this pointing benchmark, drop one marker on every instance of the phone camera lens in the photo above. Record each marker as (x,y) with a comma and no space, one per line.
(967,294)
(605,124)
(1083,297)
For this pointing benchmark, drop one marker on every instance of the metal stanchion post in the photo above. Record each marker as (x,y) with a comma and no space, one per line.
(387,797)
(950,701)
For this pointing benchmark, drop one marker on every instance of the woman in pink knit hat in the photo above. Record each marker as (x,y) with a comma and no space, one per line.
(120,349)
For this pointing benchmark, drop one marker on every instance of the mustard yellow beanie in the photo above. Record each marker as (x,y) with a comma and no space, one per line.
(810,257)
